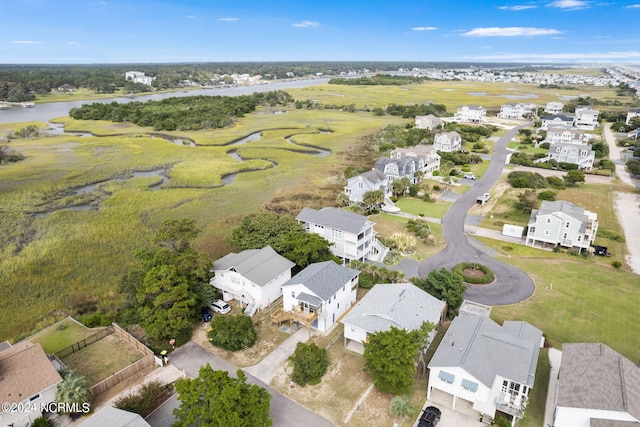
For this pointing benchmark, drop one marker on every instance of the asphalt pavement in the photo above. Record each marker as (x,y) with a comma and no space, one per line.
(511,285)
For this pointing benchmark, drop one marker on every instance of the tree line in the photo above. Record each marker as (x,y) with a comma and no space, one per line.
(378,79)
(188,113)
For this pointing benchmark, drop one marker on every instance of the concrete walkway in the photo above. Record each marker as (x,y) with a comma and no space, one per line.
(555,358)
(266,369)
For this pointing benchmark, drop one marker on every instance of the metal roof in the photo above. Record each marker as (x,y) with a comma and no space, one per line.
(258,265)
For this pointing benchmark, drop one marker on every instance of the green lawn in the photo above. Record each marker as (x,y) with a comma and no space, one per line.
(421,208)
(534,414)
(387,224)
(61,335)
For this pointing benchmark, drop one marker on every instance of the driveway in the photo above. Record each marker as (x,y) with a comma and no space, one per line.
(511,284)
(285,412)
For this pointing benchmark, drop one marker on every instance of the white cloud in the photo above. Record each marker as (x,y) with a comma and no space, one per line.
(228,19)
(569,4)
(306,24)
(518,7)
(424,28)
(26,42)
(525,57)
(633,6)
(72,43)
(510,32)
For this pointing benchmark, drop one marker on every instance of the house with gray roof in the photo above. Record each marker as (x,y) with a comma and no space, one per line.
(586,118)
(566,119)
(253,276)
(562,223)
(372,180)
(399,305)
(428,122)
(405,167)
(447,141)
(553,107)
(427,157)
(28,379)
(324,288)
(597,387)
(351,235)
(489,365)
(110,416)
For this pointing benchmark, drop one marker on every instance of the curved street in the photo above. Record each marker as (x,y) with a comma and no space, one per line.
(511,285)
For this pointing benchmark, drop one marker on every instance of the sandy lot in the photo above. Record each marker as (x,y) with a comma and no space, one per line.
(628,210)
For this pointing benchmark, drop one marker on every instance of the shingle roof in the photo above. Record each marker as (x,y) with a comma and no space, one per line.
(114,417)
(334,218)
(563,117)
(25,371)
(596,377)
(485,349)
(258,265)
(323,278)
(568,208)
(402,305)
(374,176)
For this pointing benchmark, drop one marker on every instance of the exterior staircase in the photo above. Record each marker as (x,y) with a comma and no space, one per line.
(252,306)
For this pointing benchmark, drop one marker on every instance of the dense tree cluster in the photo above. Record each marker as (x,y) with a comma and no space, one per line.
(444,285)
(411,111)
(232,333)
(285,235)
(170,283)
(378,79)
(214,398)
(310,363)
(186,113)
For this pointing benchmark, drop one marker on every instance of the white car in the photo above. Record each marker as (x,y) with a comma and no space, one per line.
(220,307)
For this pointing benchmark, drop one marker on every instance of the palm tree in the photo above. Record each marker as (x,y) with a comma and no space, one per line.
(400,407)
(74,388)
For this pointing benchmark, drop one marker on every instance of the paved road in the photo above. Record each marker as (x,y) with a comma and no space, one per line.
(511,285)
(284,411)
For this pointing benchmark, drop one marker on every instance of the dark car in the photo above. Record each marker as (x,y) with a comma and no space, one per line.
(205,315)
(429,417)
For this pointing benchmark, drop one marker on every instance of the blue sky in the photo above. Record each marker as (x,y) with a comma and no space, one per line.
(118,31)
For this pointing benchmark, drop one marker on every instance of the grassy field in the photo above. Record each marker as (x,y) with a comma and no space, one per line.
(102,359)
(82,94)
(450,93)
(61,335)
(418,207)
(534,414)
(387,224)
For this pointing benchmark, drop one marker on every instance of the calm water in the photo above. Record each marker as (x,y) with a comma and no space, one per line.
(46,112)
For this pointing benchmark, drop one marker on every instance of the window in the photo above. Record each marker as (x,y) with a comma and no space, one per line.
(564,236)
(469,385)
(293,294)
(360,185)
(579,238)
(446,377)
(34,397)
(546,232)
(548,220)
(338,305)
(336,234)
(567,226)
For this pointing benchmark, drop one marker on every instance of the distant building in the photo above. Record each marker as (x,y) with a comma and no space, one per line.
(630,115)
(565,134)
(556,120)
(394,169)
(553,107)
(578,154)
(517,111)
(427,157)
(372,180)
(428,122)
(138,77)
(66,88)
(586,118)
(471,114)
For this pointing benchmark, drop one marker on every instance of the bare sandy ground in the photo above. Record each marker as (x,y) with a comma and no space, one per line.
(628,210)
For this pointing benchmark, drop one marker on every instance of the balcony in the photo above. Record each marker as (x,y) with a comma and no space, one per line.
(298,314)
(512,404)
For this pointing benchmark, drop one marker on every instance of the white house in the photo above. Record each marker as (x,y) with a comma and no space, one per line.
(489,365)
(577,154)
(560,134)
(562,223)
(428,159)
(516,111)
(399,305)
(596,387)
(27,379)
(110,416)
(428,122)
(138,77)
(399,168)
(630,115)
(447,141)
(586,118)
(557,119)
(553,107)
(372,180)
(253,276)
(471,114)
(352,235)
(324,290)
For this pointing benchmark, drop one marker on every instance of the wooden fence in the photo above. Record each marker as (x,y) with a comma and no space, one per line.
(147,360)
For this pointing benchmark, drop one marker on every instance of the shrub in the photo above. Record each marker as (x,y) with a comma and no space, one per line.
(616,264)
(545,145)
(557,183)
(310,363)
(42,422)
(149,397)
(547,195)
(232,332)
(488,277)
(522,179)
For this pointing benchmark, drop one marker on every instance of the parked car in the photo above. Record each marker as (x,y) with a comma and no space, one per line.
(469,176)
(205,315)
(429,417)
(220,307)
